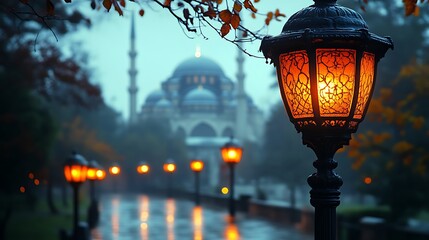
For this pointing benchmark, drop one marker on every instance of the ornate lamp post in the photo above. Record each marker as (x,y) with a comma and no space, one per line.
(326,62)
(197,166)
(94,173)
(75,172)
(231,155)
(169,168)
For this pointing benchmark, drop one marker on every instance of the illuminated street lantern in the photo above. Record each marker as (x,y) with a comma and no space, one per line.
(231,155)
(326,62)
(170,168)
(100,174)
(75,172)
(197,166)
(115,169)
(75,169)
(143,168)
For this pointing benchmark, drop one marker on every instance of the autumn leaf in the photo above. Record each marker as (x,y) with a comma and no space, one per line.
(167,3)
(122,2)
(253,15)
(225,16)
(224,30)
(50,9)
(141,12)
(235,21)
(107,4)
(278,14)
(410,6)
(237,6)
(269,18)
(245,34)
(219,2)
(67,1)
(249,5)
(210,13)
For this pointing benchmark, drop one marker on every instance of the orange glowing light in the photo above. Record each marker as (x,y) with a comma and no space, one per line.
(334,86)
(143,168)
(36,182)
(115,170)
(169,167)
(197,165)
(231,154)
(75,173)
(231,232)
(22,189)
(91,174)
(224,190)
(367,180)
(31,176)
(197,220)
(100,174)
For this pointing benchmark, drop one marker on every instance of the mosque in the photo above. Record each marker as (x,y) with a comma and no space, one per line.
(203,105)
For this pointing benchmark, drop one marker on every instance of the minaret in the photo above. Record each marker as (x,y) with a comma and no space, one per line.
(132,89)
(241,117)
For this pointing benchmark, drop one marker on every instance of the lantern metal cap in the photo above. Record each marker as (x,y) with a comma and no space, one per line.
(93,164)
(76,159)
(325,22)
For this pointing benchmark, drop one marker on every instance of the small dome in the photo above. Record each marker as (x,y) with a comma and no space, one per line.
(200,96)
(155,96)
(163,103)
(198,66)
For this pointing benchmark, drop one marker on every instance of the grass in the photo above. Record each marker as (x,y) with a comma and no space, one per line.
(39,223)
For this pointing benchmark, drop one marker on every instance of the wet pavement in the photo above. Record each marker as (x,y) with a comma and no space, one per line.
(140,217)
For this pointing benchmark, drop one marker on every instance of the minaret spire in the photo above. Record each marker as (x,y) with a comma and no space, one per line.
(132,89)
(242,108)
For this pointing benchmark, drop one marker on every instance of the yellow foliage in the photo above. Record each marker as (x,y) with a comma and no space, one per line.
(380,138)
(402,147)
(385,93)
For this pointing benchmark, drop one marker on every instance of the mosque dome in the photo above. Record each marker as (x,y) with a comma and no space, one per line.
(163,103)
(198,66)
(155,96)
(200,96)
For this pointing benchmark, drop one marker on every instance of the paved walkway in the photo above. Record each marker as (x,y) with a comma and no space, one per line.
(140,217)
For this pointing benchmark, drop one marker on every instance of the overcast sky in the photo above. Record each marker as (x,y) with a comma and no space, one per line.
(162,45)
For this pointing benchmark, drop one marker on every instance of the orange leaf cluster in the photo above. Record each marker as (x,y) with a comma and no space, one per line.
(229,20)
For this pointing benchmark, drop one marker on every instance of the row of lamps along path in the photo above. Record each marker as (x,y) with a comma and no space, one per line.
(77,170)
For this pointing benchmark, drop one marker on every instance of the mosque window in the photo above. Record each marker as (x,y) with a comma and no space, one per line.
(203,79)
(212,80)
(195,79)
(203,130)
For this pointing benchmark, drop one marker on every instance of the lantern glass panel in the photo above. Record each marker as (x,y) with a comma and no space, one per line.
(232,154)
(91,174)
(335,81)
(75,173)
(295,78)
(367,67)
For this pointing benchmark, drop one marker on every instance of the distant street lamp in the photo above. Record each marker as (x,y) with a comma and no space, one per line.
(169,168)
(197,166)
(143,168)
(326,62)
(75,172)
(94,173)
(231,155)
(115,170)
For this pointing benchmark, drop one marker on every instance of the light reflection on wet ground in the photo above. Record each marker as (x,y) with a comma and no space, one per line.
(140,217)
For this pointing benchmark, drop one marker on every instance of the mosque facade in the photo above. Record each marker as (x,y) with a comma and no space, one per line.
(204,106)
